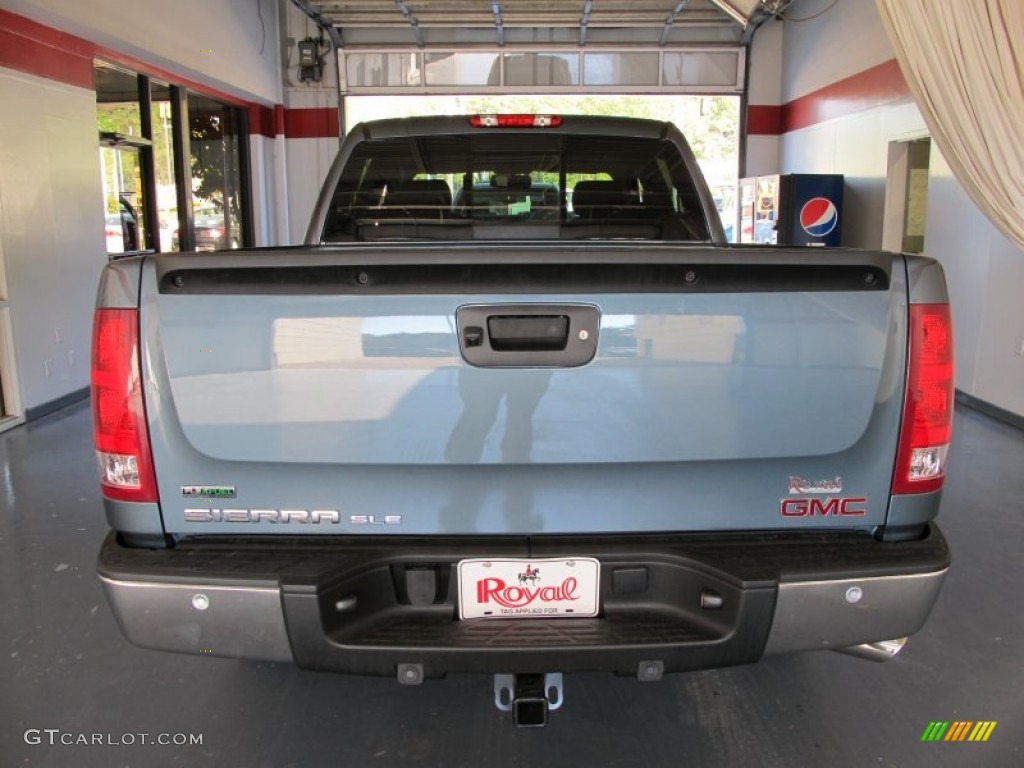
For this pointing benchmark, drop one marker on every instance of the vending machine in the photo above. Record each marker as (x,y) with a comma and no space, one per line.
(758,206)
(794,209)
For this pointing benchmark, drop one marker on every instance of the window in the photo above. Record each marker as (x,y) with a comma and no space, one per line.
(117,101)
(690,69)
(383,69)
(542,185)
(125,227)
(542,69)
(216,179)
(620,69)
(163,158)
(462,69)
(173,165)
(700,68)
(123,155)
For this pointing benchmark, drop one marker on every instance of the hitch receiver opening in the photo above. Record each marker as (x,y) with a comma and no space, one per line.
(528,697)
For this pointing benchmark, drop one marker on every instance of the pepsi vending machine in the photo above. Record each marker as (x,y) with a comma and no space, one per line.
(795,209)
(810,209)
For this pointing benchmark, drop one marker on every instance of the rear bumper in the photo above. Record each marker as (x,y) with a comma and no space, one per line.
(368,605)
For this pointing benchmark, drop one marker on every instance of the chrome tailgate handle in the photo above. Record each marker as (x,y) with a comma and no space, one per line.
(528,335)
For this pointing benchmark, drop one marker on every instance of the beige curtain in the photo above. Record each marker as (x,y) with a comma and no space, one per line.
(964,62)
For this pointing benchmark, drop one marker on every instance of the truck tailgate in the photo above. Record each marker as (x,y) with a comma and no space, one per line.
(728,389)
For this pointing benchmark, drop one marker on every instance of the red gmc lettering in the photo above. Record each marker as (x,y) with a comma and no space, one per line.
(852,507)
(516,597)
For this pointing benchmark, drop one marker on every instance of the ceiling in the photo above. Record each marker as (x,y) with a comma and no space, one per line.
(509,22)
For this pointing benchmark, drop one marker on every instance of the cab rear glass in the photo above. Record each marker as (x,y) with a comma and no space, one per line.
(520,185)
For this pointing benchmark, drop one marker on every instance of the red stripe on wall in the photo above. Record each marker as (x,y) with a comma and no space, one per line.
(764,120)
(261,121)
(874,87)
(319,123)
(42,51)
(316,123)
(279,120)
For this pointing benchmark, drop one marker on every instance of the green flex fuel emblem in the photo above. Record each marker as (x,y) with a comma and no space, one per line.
(959,730)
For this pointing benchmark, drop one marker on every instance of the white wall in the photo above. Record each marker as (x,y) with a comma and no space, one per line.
(52,241)
(999,376)
(266,229)
(858,148)
(844,40)
(764,88)
(985,272)
(308,160)
(986,275)
(51,230)
(216,43)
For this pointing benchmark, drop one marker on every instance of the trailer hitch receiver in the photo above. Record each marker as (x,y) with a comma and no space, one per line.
(529,697)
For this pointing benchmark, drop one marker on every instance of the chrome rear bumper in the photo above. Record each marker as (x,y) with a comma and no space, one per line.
(236,622)
(848,614)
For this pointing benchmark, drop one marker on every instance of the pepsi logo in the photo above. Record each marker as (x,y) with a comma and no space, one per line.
(819,216)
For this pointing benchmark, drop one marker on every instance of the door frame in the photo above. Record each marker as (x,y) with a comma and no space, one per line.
(11,414)
(897,190)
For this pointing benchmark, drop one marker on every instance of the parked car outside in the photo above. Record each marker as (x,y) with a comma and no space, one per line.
(212,235)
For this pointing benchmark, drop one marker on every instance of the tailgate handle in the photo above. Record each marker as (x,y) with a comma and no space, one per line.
(525,333)
(528,335)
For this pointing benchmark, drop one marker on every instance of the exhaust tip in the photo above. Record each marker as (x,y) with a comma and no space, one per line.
(883,650)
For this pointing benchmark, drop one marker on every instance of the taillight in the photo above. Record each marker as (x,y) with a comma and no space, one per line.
(928,408)
(515,121)
(118,415)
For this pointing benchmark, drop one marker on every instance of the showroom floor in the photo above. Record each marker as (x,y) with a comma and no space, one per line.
(65,667)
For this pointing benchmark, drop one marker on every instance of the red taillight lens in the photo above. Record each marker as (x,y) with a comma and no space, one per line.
(928,409)
(515,121)
(118,416)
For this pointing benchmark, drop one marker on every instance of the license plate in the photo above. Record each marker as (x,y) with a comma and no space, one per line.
(518,589)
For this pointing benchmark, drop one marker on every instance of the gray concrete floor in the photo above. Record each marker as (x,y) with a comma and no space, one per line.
(65,666)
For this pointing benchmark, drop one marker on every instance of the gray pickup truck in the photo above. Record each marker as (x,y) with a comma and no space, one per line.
(517,409)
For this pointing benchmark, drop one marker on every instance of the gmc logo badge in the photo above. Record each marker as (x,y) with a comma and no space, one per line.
(852,507)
